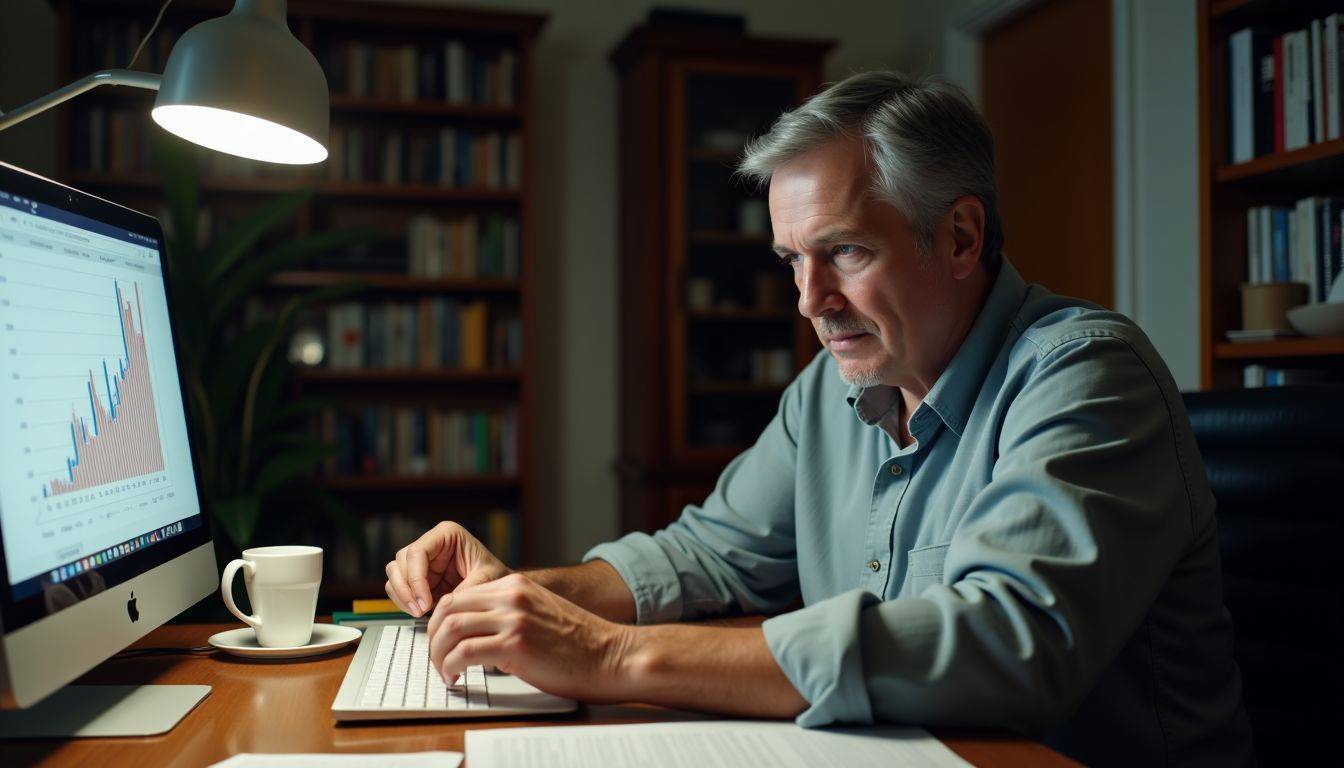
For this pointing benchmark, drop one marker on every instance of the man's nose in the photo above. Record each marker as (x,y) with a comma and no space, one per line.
(817,292)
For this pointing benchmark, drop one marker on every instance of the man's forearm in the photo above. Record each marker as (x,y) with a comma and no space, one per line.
(710,668)
(594,586)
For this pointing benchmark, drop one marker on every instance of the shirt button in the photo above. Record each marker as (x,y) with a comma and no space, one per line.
(895,470)
(874,566)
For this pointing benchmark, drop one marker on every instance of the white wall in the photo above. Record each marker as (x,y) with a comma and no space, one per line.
(1164,163)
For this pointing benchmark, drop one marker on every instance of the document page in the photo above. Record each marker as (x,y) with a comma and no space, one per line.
(344,760)
(712,744)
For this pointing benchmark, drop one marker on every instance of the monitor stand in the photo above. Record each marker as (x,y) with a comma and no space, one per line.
(103,710)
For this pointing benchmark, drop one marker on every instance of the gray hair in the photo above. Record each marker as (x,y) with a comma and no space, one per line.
(928,144)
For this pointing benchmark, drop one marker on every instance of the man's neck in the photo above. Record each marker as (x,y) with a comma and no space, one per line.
(916,386)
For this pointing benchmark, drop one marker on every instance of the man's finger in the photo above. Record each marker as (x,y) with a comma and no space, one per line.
(401,591)
(392,595)
(458,627)
(484,650)
(462,602)
(416,566)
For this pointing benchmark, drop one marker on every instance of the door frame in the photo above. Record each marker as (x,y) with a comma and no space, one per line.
(962,60)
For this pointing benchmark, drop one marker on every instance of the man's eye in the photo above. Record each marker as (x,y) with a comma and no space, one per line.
(787,259)
(847,249)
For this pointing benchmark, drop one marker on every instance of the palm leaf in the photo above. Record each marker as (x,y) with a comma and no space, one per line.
(256,272)
(219,258)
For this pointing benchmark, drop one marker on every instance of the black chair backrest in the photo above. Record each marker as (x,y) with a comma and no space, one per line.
(1275,461)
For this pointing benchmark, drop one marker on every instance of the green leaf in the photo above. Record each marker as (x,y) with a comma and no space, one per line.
(232,368)
(254,273)
(219,258)
(237,517)
(346,523)
(287,465)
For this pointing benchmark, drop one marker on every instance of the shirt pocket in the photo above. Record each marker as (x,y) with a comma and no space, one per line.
(926,568)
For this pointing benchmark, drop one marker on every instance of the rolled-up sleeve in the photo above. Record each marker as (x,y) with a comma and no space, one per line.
(736,552)
(1048,574)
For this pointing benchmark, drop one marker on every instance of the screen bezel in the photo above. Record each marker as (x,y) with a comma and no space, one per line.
(18,614)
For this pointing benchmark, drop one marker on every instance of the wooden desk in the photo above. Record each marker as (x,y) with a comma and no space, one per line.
(286,707)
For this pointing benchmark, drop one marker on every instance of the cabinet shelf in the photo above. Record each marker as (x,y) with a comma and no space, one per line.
(372,483)
(727,237)
(428,108)
(1320,347)
(729,387)
(741,315)
(409,376)
(1326,157)
(340,189)
(394,283)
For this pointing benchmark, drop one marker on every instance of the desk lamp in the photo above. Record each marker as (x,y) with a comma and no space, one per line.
(240,84)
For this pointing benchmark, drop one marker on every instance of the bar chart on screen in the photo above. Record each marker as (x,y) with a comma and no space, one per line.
(81,373)
(118,438)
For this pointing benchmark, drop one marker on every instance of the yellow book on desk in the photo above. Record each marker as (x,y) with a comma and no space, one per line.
(374,605)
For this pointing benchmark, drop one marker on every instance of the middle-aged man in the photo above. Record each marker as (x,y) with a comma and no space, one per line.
(985,497)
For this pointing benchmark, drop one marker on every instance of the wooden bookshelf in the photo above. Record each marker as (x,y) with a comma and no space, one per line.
(329,28)
(1228,190)
(697,272)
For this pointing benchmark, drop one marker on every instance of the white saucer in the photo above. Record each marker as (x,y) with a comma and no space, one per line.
(243,642)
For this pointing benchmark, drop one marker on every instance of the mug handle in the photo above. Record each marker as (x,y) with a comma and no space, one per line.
(226,586)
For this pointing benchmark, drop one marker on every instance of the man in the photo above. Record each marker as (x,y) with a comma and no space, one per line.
(986,496)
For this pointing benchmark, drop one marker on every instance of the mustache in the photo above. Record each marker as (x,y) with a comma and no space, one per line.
(832,326)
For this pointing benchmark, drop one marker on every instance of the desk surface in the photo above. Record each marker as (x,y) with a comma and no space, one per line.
(286,707)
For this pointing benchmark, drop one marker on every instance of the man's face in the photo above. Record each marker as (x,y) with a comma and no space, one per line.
(883,309)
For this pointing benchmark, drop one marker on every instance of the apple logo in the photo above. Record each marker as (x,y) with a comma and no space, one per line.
(131,610)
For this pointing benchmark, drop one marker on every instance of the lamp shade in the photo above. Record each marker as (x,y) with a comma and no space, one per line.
(243,84)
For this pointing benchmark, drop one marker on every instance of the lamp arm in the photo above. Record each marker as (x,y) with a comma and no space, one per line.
(103,77)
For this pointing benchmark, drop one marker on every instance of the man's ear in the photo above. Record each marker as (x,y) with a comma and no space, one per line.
(967,220)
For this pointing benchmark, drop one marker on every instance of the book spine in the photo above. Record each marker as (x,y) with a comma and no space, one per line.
(1280,245)
(1331,67)
(1252,245)
(1240,90)
(1317,83)
(1280,94)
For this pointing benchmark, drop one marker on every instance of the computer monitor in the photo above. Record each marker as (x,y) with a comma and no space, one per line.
(101,528)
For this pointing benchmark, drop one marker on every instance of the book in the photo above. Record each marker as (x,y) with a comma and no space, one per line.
(1250,93)
(1331,69)
(1317,82)
(1280,94)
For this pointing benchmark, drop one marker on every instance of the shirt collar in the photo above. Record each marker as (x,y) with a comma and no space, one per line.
(953,394)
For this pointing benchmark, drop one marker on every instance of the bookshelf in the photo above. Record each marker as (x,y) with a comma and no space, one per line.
(697,272)
(1228,190)
(432,119)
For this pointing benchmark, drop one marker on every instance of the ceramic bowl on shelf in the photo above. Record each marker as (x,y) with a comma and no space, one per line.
(1324,319)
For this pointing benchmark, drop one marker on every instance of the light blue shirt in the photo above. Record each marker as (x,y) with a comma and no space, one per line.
(1043,557)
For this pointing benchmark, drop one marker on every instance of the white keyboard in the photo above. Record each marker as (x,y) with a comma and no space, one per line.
(401,677)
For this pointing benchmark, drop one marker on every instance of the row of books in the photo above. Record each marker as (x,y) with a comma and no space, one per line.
(431,333)
(1284,88)
(109,44)
(384,534)
(1253,376)
(1301,244)
(466,246)
(119,141)
(450,72)
(420,442)
(448,158)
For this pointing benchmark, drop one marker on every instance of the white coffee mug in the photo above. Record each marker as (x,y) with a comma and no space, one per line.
(282,585)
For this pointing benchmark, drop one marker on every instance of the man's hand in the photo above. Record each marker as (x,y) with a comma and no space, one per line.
(445,559)
(526,630)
